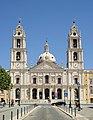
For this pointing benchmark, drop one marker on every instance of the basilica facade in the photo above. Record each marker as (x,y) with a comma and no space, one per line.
(47,80)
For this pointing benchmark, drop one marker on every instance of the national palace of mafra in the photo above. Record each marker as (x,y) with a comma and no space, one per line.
(48,80)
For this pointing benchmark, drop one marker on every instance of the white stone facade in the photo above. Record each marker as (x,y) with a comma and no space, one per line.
(47,80)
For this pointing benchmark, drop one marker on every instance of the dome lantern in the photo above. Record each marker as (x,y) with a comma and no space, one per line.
(46,56)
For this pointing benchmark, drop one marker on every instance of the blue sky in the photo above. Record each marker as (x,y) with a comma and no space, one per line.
(46,19)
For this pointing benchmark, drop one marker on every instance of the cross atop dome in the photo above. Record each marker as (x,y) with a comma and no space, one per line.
(19,22)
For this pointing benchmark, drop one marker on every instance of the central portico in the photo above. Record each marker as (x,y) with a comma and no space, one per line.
(46,77)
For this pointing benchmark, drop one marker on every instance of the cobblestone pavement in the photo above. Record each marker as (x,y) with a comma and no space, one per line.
(87,112)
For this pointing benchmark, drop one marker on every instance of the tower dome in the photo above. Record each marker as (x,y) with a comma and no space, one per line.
(46,56)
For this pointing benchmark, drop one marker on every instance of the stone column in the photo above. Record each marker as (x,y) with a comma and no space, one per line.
(63,93)
(73,94)
(30,93)
(38,93)
(50,96)
(13,93)
(43,93)
(56,94)
(20,94)
(25,94)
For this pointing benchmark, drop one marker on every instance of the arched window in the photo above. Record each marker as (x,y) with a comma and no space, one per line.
(75,43)
(18,33)
(76,95)
(17,93)
(18,56)
(53,95)
(46,93)
(75,56)
(18,43)
(40,95)
(34,91)
(59,92)
(46,79)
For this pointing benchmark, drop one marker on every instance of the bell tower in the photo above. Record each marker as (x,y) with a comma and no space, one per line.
(18,50)
(74,51)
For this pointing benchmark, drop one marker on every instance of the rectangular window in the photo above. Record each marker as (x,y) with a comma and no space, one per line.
(91,89)
(91,100)
(17,80)
(34,80)
(75,80)
(91,81)
(46,79)
(59,80)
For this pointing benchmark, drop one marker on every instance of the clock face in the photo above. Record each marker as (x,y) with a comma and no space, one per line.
(18,65)
(75,65)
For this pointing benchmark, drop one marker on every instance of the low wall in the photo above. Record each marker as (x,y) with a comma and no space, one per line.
(15,113)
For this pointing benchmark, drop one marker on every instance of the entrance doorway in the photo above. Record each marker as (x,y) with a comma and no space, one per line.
(40,95)
(34,91)
(53,95)
(46,93)
(59,93)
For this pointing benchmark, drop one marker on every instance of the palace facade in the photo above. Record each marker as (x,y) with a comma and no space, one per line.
(47,80)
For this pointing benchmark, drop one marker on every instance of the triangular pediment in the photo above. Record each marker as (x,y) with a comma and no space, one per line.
(46,65)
